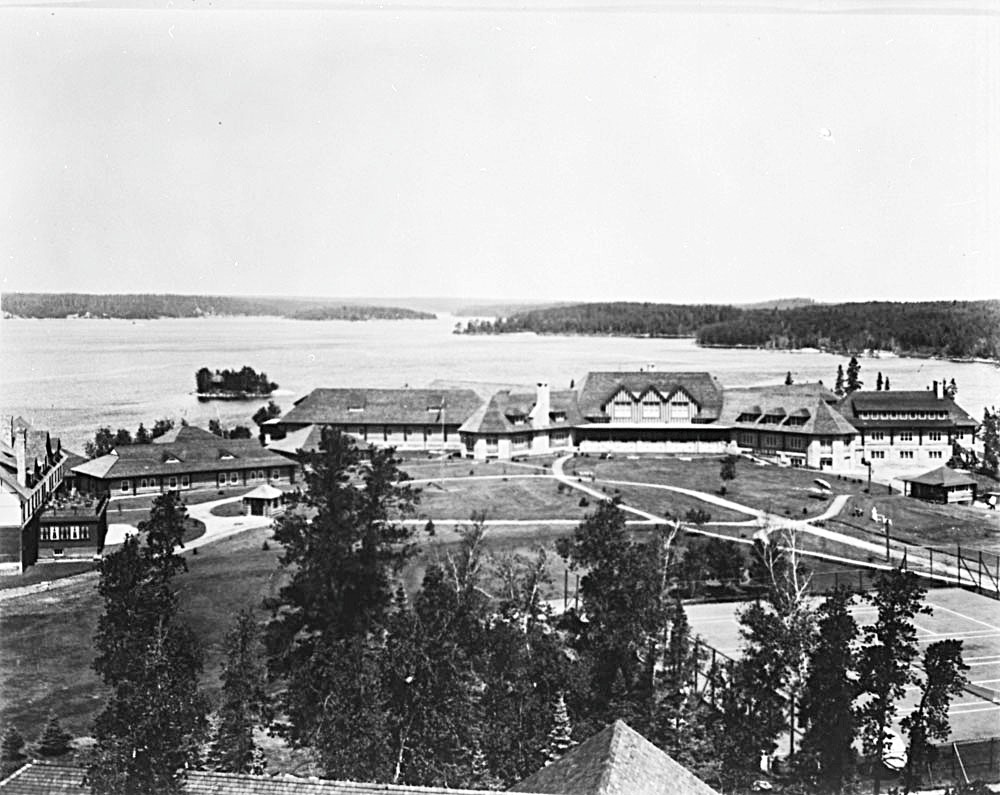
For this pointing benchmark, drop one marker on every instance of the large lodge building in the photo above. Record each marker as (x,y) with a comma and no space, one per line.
(644,412)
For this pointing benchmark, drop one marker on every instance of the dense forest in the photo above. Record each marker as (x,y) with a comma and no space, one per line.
(349,312)
(148,306)
(624,318)
(954,329)
(246,382)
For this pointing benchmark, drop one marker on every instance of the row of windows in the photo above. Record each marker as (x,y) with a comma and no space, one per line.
(906,436)
(903,415)
(904,455)
(72,532)
(184,481)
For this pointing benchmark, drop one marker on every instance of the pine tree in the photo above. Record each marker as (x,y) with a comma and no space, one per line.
(561,734)
(788,378)
(879,382)
(826,710)
(11,752)
(885,662)
(154,720)
(886,386)
(244,701)
(951,390)
(944,677)
(838,386)
(854,382)
(990,432)
(323,640)
(142,435)
(54,741)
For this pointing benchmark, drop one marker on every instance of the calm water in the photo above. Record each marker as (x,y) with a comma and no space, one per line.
(71,376)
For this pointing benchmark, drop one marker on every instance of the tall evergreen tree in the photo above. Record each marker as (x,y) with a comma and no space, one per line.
(886,385)
(879,382)
(854,382)
(990,433)
(154,720)
(943,678)
(244,704)
(826,711)
(788,378)
(885,661)
(561,735)
(838,386)
(341,552)
(951,390)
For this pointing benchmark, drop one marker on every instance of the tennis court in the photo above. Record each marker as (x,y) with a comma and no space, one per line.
(959,614)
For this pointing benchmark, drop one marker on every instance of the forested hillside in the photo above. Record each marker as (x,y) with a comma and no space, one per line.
(148,306)
(955,329)
(360,313)
(624,318)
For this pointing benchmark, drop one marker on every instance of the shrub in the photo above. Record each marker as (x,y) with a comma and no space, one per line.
(583,502)
(265,546)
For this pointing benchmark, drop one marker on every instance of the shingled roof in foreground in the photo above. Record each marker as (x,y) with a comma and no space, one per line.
(615,761)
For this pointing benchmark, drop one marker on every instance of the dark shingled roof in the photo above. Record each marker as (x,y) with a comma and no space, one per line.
(499,413)
(599,387)
(942,476)
(195,450)
(917,400)
(821,419)
(48,779)
(615,761)
(383,406)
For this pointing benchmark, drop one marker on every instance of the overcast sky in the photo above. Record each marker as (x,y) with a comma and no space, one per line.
(664,154)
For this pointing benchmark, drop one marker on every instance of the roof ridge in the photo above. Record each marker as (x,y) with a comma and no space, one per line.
(616,742)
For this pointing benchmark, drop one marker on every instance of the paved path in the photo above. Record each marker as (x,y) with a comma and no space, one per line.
(768,523)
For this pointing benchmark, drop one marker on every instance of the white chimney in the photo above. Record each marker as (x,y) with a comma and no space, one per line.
(939,389)
(543,405)
(21,455)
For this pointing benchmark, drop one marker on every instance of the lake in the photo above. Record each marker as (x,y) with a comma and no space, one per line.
(72,376)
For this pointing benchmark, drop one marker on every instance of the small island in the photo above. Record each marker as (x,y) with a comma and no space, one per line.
(245,384)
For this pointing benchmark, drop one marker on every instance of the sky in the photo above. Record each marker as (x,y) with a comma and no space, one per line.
(677,152)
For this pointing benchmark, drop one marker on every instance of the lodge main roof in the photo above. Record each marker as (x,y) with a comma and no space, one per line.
(600,387)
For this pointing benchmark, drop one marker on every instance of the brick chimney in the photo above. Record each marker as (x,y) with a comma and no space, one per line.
(21,455)
(543,405)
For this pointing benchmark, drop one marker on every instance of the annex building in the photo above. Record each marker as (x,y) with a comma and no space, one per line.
(644,411)
(182,459)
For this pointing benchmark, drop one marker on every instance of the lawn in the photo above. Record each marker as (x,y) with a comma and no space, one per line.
(518,498)
(779,490)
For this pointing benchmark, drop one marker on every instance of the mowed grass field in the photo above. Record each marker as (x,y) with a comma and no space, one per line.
(786,492)
(956,614)
(517,497)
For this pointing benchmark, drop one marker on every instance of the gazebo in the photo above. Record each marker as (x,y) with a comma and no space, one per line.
(942,485)
(264,500)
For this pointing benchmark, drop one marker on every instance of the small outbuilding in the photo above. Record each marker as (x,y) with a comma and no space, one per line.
(942,485)
(265,500)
